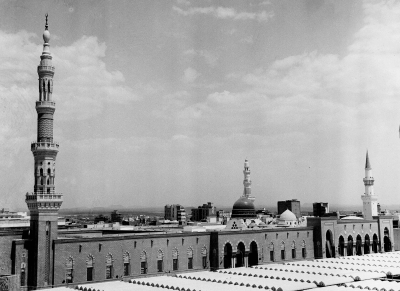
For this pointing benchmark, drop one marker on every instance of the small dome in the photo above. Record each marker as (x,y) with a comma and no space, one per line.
(46,36)
(243,208)
(288,215)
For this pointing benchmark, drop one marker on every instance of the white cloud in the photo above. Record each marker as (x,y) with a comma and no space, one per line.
(82,87)
(226,13)
(333,106)
(190,75)
(210,58)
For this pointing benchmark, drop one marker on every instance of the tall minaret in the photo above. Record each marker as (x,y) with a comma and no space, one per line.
(44,202)
(370,200)
(247,182)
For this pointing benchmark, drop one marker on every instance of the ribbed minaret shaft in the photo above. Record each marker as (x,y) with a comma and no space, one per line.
(247,181)
(370,200)
(44,202)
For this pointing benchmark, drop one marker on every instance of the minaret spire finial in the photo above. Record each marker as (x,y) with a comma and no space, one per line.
(367,163)
(47,26)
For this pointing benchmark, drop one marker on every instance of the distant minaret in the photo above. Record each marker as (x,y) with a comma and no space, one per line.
(247,182)
(370,200)
(43,202)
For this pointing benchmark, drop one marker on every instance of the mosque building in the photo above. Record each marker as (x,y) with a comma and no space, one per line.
(47,257)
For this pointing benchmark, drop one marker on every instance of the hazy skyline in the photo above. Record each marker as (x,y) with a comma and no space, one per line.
(161,101)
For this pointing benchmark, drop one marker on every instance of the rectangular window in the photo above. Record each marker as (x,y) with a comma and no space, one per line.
(89,274)
(22,277)
(204,262)
(159,265)
(282,254)
(271,256)
(143,267)
(303,252)
(69,276)
(293,253)
(109,272)
(126,269)
(175,264)
(190,263)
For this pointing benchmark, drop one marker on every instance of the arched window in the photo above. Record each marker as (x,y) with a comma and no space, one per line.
(204,256)
(48,171)
(175,255)
(143,263)
(190,258)
(293,250)
(375,243)
(23,274)
(90,268)
(303,250)
(271,252)
(341,246)
(109,266)
(69,274)
(283,254)
(127,264)
(160,261)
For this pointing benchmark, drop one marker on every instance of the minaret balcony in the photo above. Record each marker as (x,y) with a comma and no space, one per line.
(40,104)
(44,202)
(44,145)
(368,181)
(45,69)
(43,197)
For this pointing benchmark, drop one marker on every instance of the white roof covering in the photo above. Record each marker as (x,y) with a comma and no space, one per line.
(59,289)
(353,272)
(380,285)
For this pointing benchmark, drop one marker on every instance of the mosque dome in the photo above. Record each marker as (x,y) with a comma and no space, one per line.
(243,208)
(288,215)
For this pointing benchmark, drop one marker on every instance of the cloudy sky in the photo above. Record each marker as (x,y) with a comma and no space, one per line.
(161,101)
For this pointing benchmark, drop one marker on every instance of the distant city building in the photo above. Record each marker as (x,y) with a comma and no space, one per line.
(175,212)
(320,209)
(116,216)
(202,212)
(370,200)
(292,205)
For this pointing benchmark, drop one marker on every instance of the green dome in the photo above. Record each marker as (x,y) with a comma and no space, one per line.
(243,208)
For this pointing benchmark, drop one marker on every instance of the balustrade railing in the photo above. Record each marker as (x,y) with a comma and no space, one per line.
(45,68)
(45,103)
(44,144)
(44,196)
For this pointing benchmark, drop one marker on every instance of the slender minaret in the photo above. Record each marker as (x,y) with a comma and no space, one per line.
(247,182)
(44,202)
(370,200)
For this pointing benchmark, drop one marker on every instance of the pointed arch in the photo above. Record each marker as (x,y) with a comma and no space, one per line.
(190,257)
(127,263)
(253,254)
(271,252)
(143,262)
(90,268)
(160,261)
(109,266)
(240,253)
(293,247)
(304,249)
(204,256)
(228,255)
(69,272)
